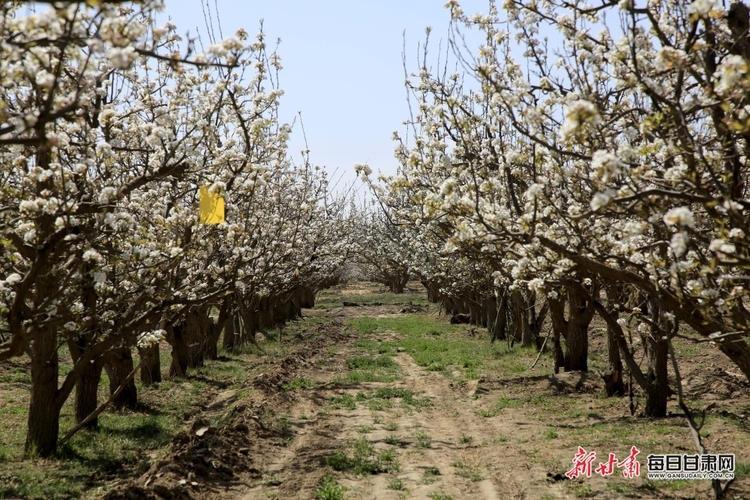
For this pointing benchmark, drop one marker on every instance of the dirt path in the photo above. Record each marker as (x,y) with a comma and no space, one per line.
(446,449)
(421,432)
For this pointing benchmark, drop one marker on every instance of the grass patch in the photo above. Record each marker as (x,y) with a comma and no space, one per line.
(346,401)
(430,475)
(395,441)
(364,460)
(381,399)
(299,383)
(424,440)
(370,369)
(494,410)
(329,488)
(396,484)
(439,346)
(469,472)
(439,496)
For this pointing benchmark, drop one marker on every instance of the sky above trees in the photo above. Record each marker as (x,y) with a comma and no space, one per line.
(342,66)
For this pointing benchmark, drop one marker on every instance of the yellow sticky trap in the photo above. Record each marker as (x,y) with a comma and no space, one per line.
(212,207)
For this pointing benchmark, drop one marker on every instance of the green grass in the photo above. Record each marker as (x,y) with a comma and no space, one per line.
(465,439)
(299,383)
(742,469)
(469,472)
(332,298)
(502,403)
(423,439)
(396,484)
(346,401)
(439,346)
(363,460)
(381,399)
(329,488)
(395,441)
(370,369)
(430,475)
(439,496)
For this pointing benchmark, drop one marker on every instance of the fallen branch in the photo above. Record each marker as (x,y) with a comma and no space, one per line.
(103,406)
(719,492)
(540,351)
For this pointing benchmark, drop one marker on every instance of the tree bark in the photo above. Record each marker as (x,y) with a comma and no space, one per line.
(230,339)
(151,365)
(87,385)
(44,409)
(180,351)
(118,365)
(613,380)
(559,328)
(657,387)
(580,314)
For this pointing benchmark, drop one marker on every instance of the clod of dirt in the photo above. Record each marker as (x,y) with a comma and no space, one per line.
(575,381)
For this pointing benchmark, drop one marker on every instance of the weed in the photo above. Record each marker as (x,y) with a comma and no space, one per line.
(299,383)
(363,362)
(396,484)
(439,496)
(430,475)
(423,440)
(623,488)
(469,472)
(363,459)
(502,403)
(346,401)
(365,429)
(581,490)
(551,434)
(464,439)
(329,488)
(393,426)
(395,441)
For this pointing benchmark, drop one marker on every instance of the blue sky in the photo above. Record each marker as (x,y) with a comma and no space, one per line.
(342,66)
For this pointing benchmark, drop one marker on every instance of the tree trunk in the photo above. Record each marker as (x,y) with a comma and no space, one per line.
(501,317)
(613,381)
(214,329)
(576,348)
(195,333)
(118,365)
(657,387)
(180,351)
(151,366)
(87,388)
(230,340)
(580,314)
(559,328)
(44,409)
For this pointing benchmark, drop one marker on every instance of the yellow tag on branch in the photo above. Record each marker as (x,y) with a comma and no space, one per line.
(212,207)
